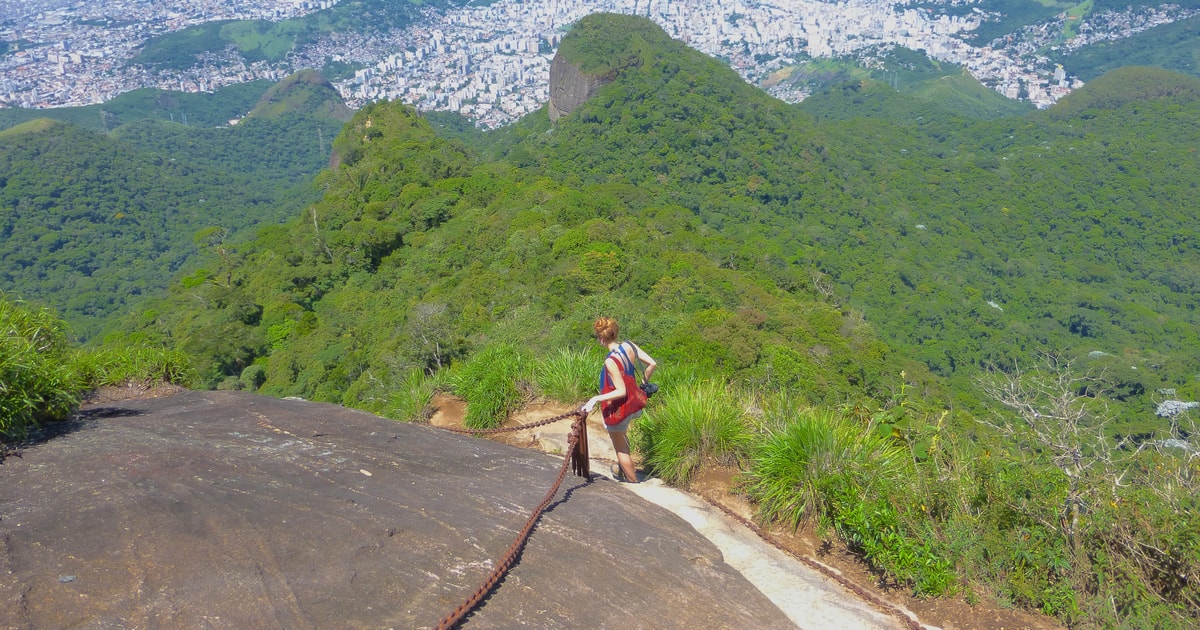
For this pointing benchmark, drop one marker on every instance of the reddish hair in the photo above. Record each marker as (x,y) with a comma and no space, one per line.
(606,329)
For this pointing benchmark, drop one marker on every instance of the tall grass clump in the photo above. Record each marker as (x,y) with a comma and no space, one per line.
(412,398)
(37,381)
(568,376)
(494,382)
(133,364)
(825,467)
(689,424)
(798,468)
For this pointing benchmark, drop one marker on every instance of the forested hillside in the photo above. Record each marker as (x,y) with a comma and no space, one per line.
(93,221)
(928,83)
(1170,46)
(418,255)
(261,40)
(967,243)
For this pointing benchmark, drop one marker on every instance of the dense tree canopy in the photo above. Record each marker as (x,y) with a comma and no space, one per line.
(92,221)
(968,243)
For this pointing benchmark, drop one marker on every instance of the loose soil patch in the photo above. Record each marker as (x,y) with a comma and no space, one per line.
(130,391)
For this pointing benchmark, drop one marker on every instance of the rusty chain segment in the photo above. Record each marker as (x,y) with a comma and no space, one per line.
(531,425)
(577,457)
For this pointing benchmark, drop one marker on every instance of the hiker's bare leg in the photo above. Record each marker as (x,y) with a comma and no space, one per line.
(624,459)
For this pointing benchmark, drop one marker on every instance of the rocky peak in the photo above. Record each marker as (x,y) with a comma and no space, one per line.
(570,86)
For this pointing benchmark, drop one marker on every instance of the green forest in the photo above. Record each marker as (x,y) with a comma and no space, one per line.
(93,221)
(942,333)
(1170,46)
(967,243)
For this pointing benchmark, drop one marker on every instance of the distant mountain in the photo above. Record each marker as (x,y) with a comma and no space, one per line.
(1130,85)
(1174,46)
(942,86)
(308,92)
(193,109)
(93,222)
(261,40)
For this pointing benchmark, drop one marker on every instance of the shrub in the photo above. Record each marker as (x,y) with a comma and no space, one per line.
(795,468)
(37,382)
(253,376)
(494,382)
(690,423)
(826,467)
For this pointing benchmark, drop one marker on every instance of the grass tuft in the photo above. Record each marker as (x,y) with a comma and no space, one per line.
(689,424)
(796,466)
(37,382)
(494,382)
(568,376)
(133,364)
(412,400)
(837,470)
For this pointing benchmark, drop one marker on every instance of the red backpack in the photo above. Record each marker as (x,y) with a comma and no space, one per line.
(615,411)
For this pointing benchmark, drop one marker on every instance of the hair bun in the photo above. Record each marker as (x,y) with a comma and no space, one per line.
(606,329)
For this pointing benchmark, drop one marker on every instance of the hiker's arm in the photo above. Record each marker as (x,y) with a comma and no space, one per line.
(651,364)
(614,376)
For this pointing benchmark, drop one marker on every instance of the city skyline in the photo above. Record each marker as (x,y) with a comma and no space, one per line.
(491,63)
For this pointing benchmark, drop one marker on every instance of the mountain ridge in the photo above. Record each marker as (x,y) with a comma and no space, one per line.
(807,169)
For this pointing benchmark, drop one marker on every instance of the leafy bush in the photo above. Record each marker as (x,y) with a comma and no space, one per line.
(568,375)
(253,376)
(694,423)
(797,468)
(494,382)
(37,382)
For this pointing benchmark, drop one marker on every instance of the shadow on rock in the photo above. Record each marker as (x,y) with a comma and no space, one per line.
(83,419)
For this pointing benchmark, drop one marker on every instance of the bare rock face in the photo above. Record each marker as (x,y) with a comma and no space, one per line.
(570,86)
(231,510)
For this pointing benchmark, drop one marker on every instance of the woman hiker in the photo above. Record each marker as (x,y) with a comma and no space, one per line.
(616,378)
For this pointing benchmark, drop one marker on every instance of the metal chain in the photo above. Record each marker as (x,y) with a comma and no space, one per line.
(573,440)
(531,425)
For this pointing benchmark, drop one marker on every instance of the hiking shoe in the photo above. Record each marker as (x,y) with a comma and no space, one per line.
(617,474)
